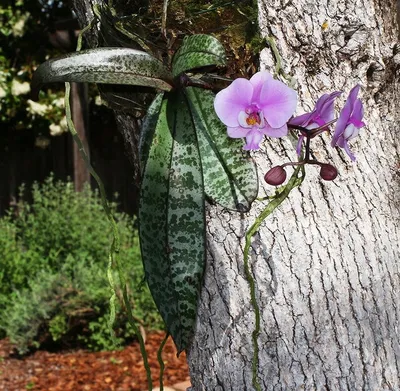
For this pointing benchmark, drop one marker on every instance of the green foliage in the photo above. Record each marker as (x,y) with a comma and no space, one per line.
(172,210)
(185,154)
(197,51)
(58,326)
(53,282)
(230,176)
(106,66)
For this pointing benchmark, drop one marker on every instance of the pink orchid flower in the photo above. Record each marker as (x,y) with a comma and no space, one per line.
(349,122)
(323,113)
(256,107)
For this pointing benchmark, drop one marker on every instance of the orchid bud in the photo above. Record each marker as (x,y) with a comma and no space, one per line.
(328,172)
(275,176)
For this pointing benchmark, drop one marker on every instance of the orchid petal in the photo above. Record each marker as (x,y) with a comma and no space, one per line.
(353,95)
(262,120)
(258,81)
(325,106)
(341,141)
(348,132)
(275,132)
(253,139)
(347,149)
(299,145)
(349,120)
(358,111)
(358,124)
(242,117)
(278,102)
(322,100)
(301,120)
(355,133)
(232,100)
(351,132)
(341,123)
(237,132)
(318,122)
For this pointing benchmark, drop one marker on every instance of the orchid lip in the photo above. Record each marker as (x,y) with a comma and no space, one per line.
(252,119)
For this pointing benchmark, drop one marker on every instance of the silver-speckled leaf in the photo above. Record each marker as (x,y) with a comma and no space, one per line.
(230,175)
(105,65)
(171,218)
(147,129)
(198,51)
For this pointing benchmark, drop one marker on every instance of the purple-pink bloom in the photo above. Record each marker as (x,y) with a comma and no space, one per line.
(323,113)
(256,107)
(349,122)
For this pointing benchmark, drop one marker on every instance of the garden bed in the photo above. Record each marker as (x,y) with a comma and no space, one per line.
(76,370)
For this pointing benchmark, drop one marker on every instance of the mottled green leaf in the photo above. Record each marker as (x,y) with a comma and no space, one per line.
(198,51)
(230,175)
(171,217)
(105,65)
(148,127)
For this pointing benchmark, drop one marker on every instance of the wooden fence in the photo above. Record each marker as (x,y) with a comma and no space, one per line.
(23,162)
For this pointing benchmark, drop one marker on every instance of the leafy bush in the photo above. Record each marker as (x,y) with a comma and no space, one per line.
(53,283)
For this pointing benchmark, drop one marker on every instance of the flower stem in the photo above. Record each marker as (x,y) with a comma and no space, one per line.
(294,181)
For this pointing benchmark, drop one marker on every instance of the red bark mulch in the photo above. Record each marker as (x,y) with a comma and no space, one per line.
(80,370)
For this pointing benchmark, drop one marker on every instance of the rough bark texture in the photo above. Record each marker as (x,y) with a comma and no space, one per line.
(326,263)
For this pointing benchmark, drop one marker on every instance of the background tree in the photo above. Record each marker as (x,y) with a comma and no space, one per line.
(26,126)
(325,263)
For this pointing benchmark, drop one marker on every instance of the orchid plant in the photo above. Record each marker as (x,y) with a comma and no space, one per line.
(263,106)
(191,151)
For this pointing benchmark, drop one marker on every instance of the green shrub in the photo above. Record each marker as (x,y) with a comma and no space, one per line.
(53,284)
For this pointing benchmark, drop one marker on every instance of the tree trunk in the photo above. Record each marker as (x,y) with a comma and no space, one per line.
(79,108)
(325,263)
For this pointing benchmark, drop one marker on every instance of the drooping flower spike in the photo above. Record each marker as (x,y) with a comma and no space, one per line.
(349,122)
(256,107)
(323,113)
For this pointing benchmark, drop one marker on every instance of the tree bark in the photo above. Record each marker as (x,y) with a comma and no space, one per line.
(326,263)
(80,117)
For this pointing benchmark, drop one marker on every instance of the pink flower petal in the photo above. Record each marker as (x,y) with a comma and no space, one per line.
(353,95)
(351,132)
(299,145)
(325,106)
(237,132)
(341,123)
(258,81)
(275,132)
(301,120)
(253,140)
(242,117)
(232,100)
(278,102)
(358,112)
(347,149)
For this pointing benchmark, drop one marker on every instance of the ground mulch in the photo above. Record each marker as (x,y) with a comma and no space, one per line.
(80,370)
